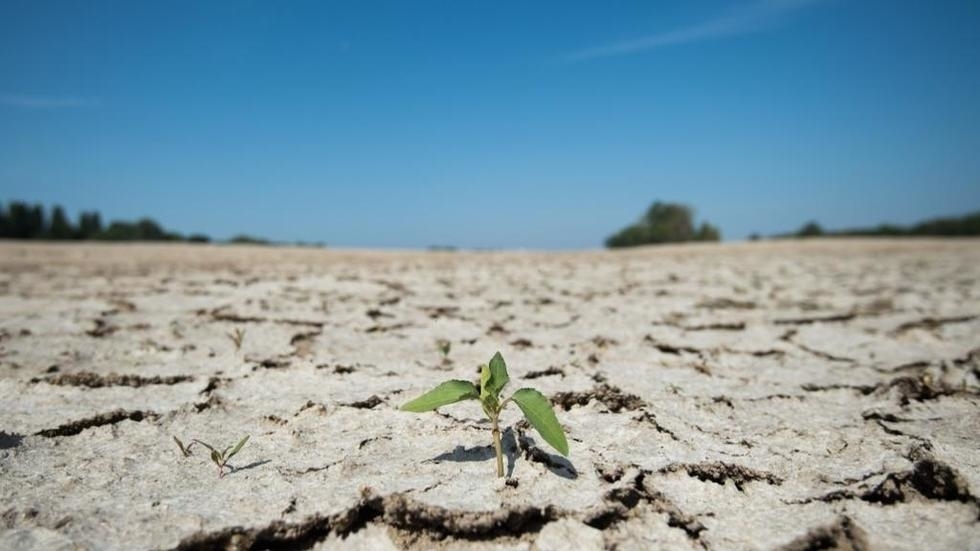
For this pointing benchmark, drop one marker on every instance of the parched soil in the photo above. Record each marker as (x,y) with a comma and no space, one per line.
(791,395)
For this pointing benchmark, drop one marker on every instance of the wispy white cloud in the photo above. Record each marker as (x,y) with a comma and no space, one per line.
(749,19)
(45,102)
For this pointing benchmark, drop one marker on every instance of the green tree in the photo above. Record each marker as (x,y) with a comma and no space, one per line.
(810,229)
(38,224)
(150,230)
(707,232)
(89,225)
(144,229)
(4,222)
(17,220)
(25,221)
(952,226)
(60,227)
(663,223)
(243,239)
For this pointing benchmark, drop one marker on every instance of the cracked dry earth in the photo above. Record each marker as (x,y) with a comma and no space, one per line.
(747,396)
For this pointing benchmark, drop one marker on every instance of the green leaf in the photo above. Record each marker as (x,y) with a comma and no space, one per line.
(206,445)
(448,392)
(498,377)
(216,458)
(180,445)
(537,410)
(237,447)
(444,346)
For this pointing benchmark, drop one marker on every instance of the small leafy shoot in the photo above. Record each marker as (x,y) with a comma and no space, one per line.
(493,378)
(237,336)
(498,375)
(184,450)
(444,347)
(221,458)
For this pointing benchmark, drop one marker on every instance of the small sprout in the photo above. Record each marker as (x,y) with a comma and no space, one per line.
(237,336)
(444,347)
(184,450)
(221,458)
(536,408)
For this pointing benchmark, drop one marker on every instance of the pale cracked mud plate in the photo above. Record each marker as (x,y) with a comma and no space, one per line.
(749,396)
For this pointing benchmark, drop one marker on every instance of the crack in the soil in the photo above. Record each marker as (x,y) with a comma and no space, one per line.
(302,343)
(626,501)
(930,323)
(436,312)
(94,380)
(668,348)
(396,511)
(863,389)
(922,388)
(385,328)
(212,402)
(545,373)
(733,326)
(368,403)
(651,419)
(971,357)
(844,535)
(895,432)
(110,418)
(219,314)
(417,519)
(833,318)
(928,479)
(876,415)
(725,303)
(277,362)
(615,400)
(286,471)
(720,472)
(213,384)
(521,343)
(610,396)
(102,329)
(819,353)
(375,313)
(320,409)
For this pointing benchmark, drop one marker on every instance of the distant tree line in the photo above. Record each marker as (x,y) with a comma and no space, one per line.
(664,223)
(19,220)
(950,226)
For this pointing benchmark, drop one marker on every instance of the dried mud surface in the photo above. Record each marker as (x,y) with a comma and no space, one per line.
(753,396)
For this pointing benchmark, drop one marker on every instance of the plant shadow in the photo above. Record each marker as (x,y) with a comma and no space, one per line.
(251,465)
(10,440)
(462,454)
(509,443)
(557,464)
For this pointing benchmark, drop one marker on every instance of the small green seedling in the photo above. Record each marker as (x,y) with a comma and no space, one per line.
(444,347)
(221,458)
(237,337)
(184,450)
(493,377)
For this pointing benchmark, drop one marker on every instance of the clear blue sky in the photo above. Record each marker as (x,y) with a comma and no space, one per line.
(490,124)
